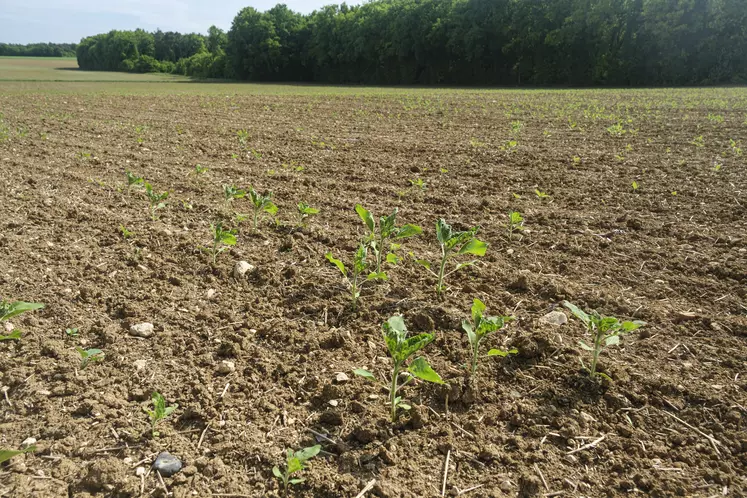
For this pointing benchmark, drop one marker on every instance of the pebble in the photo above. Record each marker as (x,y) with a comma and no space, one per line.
(506,486)
(8,327)
(167,464)
(341,377)
(241,268)
(509,251)
(140,364)
(142,329)
(210,294)
(140,471)
(29,441)
(226,367)
(556,318)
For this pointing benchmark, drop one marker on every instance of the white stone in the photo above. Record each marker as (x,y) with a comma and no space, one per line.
(144,329)
(226,367)
(556,318)
(140,364)
(210,294)
(241,268)
(342,377)
(29,441)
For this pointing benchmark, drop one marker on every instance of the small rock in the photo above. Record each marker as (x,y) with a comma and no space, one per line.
(331,417)
(241,268)
(556,318)
(167,464)
(210,294)
(8,327)
(140,364)
(684,316)
(587,418)
(506,486)
(509,251)
(142,329)
(333,402)
(341,378)
(140,471)
(29,441)
(226,367)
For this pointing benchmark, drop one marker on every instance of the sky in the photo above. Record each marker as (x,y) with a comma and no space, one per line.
(67,21)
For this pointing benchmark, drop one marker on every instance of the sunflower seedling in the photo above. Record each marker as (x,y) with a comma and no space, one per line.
(7,311)
(305,211)
(222,240)
(159,412)
(515,223)
(133,180)
(72,332)
(479,328)
(156,200)
(200,169)
(356,280)
(295,461)
(230,193)
(454,243)
(88,356)
(262,206)
(386,231)
(401,348)
(605,331)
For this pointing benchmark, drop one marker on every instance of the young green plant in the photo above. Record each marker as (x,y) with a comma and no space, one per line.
(156,200)
(305,211)
(515,223)
(87,356)
(133,180)
(159,412)
(7,311)
(231,192)
(453,244)
(401,348)
(386,231)
(222,240)
(356,280)
(605,331)
(6,455)
(262,206)
(480,327)
(295,461)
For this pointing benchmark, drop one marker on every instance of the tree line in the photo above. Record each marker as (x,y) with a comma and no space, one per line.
(464,42)
(38,50)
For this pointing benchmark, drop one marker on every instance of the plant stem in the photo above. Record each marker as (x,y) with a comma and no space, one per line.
(378,253)
(475,346)
(255,218)
(439,286)
(393,391)
(595,354)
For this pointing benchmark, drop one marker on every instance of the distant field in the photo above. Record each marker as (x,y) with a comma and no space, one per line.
(66,69)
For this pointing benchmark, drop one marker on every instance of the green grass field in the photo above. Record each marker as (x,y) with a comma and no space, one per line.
(59,69)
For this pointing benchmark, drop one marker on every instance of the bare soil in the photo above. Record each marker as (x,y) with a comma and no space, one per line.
(672,252)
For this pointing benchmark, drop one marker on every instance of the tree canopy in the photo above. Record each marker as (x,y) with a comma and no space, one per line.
(465,42)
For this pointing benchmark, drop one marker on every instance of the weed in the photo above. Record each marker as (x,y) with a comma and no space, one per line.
(155,199)
(159,412)
(357,279)
(8,310)
(516,127)
(200,169)
(476,143)
(400,349)
(6,455)
(616,130)
(243,137)
(305,211)
(605,331)
(635,186)
(71,332)
(295,462)
(231,192)
(262,206)
(454,243)
(126,234)
(387,230)
(222,240)
(418,182)
(515,223)
(133,180)
(540,195)
(698,141)
(89,355)
(479,328)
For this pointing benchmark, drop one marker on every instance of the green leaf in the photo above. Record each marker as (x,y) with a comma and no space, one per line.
(630,326)
(276,472)
(9,310)
(392,258)
(477,308)
(361,372)
(307,453)
(612,340)
(387,224)
(443,231)
(404,406)
(270,208)
(423,262)
(340,266)
(366,216)
(475,247)
(408,231)
(501,353)
(413,345)
(608,323)
(6,455)
(577,312)
(377,276)
(296,480)
(585,346)
(470,332)
(13,336)
(293,465)
(422,370)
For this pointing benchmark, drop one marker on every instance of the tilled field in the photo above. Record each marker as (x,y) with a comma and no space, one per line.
(671,252)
